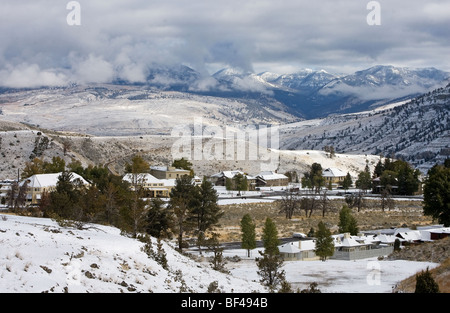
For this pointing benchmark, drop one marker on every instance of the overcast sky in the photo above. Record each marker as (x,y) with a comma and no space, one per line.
(120,39)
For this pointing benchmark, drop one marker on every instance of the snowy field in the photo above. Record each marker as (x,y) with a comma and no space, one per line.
(336,276)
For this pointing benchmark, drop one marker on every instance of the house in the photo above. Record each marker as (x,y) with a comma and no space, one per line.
(40,183)
(421,234)
(378,187)
(408,235)
(349,247)
(346,247)
(436,233)
(302,250)
(220,179)
(334,176)
(271,179)
(154,187)
(168,172)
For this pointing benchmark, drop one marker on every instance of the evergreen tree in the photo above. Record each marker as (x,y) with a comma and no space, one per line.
(436,193)
(240,183)
(347,222)
(217,262)
(248,233)
(183,199)
(314,179)
(208,212)
(312,288)
(347,182)
(183,164)
(270,237)
(270,270)
(364,181)
(425,283)
(159,219)
(379,168)
(64,200)
(271,262)
(407,179)
(324,242)
(134,217)
(58,165)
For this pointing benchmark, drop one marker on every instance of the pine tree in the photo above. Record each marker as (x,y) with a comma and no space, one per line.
(347,222)
(324,242)
(134,217)
(425,283)
(436,193)
(347,182)
(159,219)
(208,212)
(270,270)
(270,237)
(183,199)
(248,233)
(364,180)
(217,262)
(183,164)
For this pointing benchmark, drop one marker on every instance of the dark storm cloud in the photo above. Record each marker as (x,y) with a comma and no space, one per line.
(121,39)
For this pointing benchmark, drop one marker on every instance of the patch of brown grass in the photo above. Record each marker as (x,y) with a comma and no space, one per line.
(407,213)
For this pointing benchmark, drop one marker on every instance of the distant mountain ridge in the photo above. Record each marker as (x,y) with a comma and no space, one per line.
(305,93)
(417,131)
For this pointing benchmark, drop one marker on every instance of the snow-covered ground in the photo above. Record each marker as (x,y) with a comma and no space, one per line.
(37,255)
(335,276)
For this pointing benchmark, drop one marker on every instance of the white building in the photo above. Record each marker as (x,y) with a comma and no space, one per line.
(40,183)
(154,187)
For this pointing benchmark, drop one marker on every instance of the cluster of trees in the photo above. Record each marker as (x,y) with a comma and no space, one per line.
(238,182)
(292,203)
(314,179)
(396,177)
(108,199)
(194,208)
(38,166)
(270,263)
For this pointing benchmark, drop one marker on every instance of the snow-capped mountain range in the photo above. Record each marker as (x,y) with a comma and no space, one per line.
(306,93)
(316,93)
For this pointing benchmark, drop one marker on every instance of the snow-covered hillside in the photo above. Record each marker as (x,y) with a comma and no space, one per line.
(417,131)
(37,255)
(114,110)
